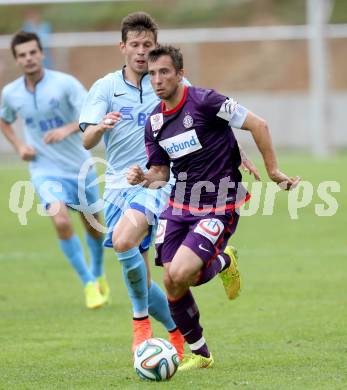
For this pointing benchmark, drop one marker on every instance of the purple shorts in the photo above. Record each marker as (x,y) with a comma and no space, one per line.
(205,235)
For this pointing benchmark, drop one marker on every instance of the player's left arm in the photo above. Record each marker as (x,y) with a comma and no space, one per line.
(215,104)
(261,135)
(241,118)
(58,134)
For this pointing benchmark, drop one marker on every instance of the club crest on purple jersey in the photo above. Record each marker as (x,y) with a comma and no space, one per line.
(157,121)
(187,121)
(210,228)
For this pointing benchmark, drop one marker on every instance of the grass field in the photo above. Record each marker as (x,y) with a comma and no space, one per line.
(288,330)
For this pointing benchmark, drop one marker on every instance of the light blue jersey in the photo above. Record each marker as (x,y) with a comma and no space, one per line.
(57,101)
(125,145)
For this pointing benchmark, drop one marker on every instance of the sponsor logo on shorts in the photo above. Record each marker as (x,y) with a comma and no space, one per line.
(203,248)
(181,144)
(159,238)
(210,228)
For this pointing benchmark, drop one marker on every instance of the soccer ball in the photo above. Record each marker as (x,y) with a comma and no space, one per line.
(156,360)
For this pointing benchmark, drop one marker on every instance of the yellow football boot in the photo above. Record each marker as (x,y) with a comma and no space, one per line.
(93,297)
(104,288)
(230,276)
(192,361)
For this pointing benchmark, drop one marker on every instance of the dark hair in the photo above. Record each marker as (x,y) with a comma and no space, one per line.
(139,22)
(23,37)
(167,50)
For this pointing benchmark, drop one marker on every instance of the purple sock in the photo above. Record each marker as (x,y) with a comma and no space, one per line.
(220,263)
(185,313)
(202,351)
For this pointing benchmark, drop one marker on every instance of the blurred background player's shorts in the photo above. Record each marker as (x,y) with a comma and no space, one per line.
(75,193)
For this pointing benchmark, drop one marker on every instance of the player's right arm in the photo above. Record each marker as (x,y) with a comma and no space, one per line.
(158,164)
(96,115)
(156,177)
(93,133)
(26,152)
(8,115)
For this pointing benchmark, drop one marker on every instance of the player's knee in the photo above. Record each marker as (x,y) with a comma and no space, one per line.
(178,276)
(62,224)
(123,244)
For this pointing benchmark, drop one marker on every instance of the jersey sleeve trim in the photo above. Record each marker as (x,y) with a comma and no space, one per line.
(84,125)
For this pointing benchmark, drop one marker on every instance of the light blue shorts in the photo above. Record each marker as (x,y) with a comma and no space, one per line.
(149,202)
(77,195)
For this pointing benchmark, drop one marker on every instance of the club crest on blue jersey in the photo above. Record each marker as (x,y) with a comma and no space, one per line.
(30,122)
(54,103)
(157,121)
(188,121)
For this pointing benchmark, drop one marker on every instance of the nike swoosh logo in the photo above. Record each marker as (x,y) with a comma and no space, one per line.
(120,94)
(203,249)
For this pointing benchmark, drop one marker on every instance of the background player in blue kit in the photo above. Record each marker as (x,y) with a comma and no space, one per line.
(191,129)
(116,110)
(48,102)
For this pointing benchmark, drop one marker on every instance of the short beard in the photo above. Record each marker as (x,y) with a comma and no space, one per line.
(172,94)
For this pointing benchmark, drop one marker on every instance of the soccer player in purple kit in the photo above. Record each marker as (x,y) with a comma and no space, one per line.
(191,128)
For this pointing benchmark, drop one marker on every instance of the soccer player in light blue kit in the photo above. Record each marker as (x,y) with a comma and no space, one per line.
(48,102)
(116,110)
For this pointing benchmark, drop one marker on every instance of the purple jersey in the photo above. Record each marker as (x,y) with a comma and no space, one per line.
(202,147)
